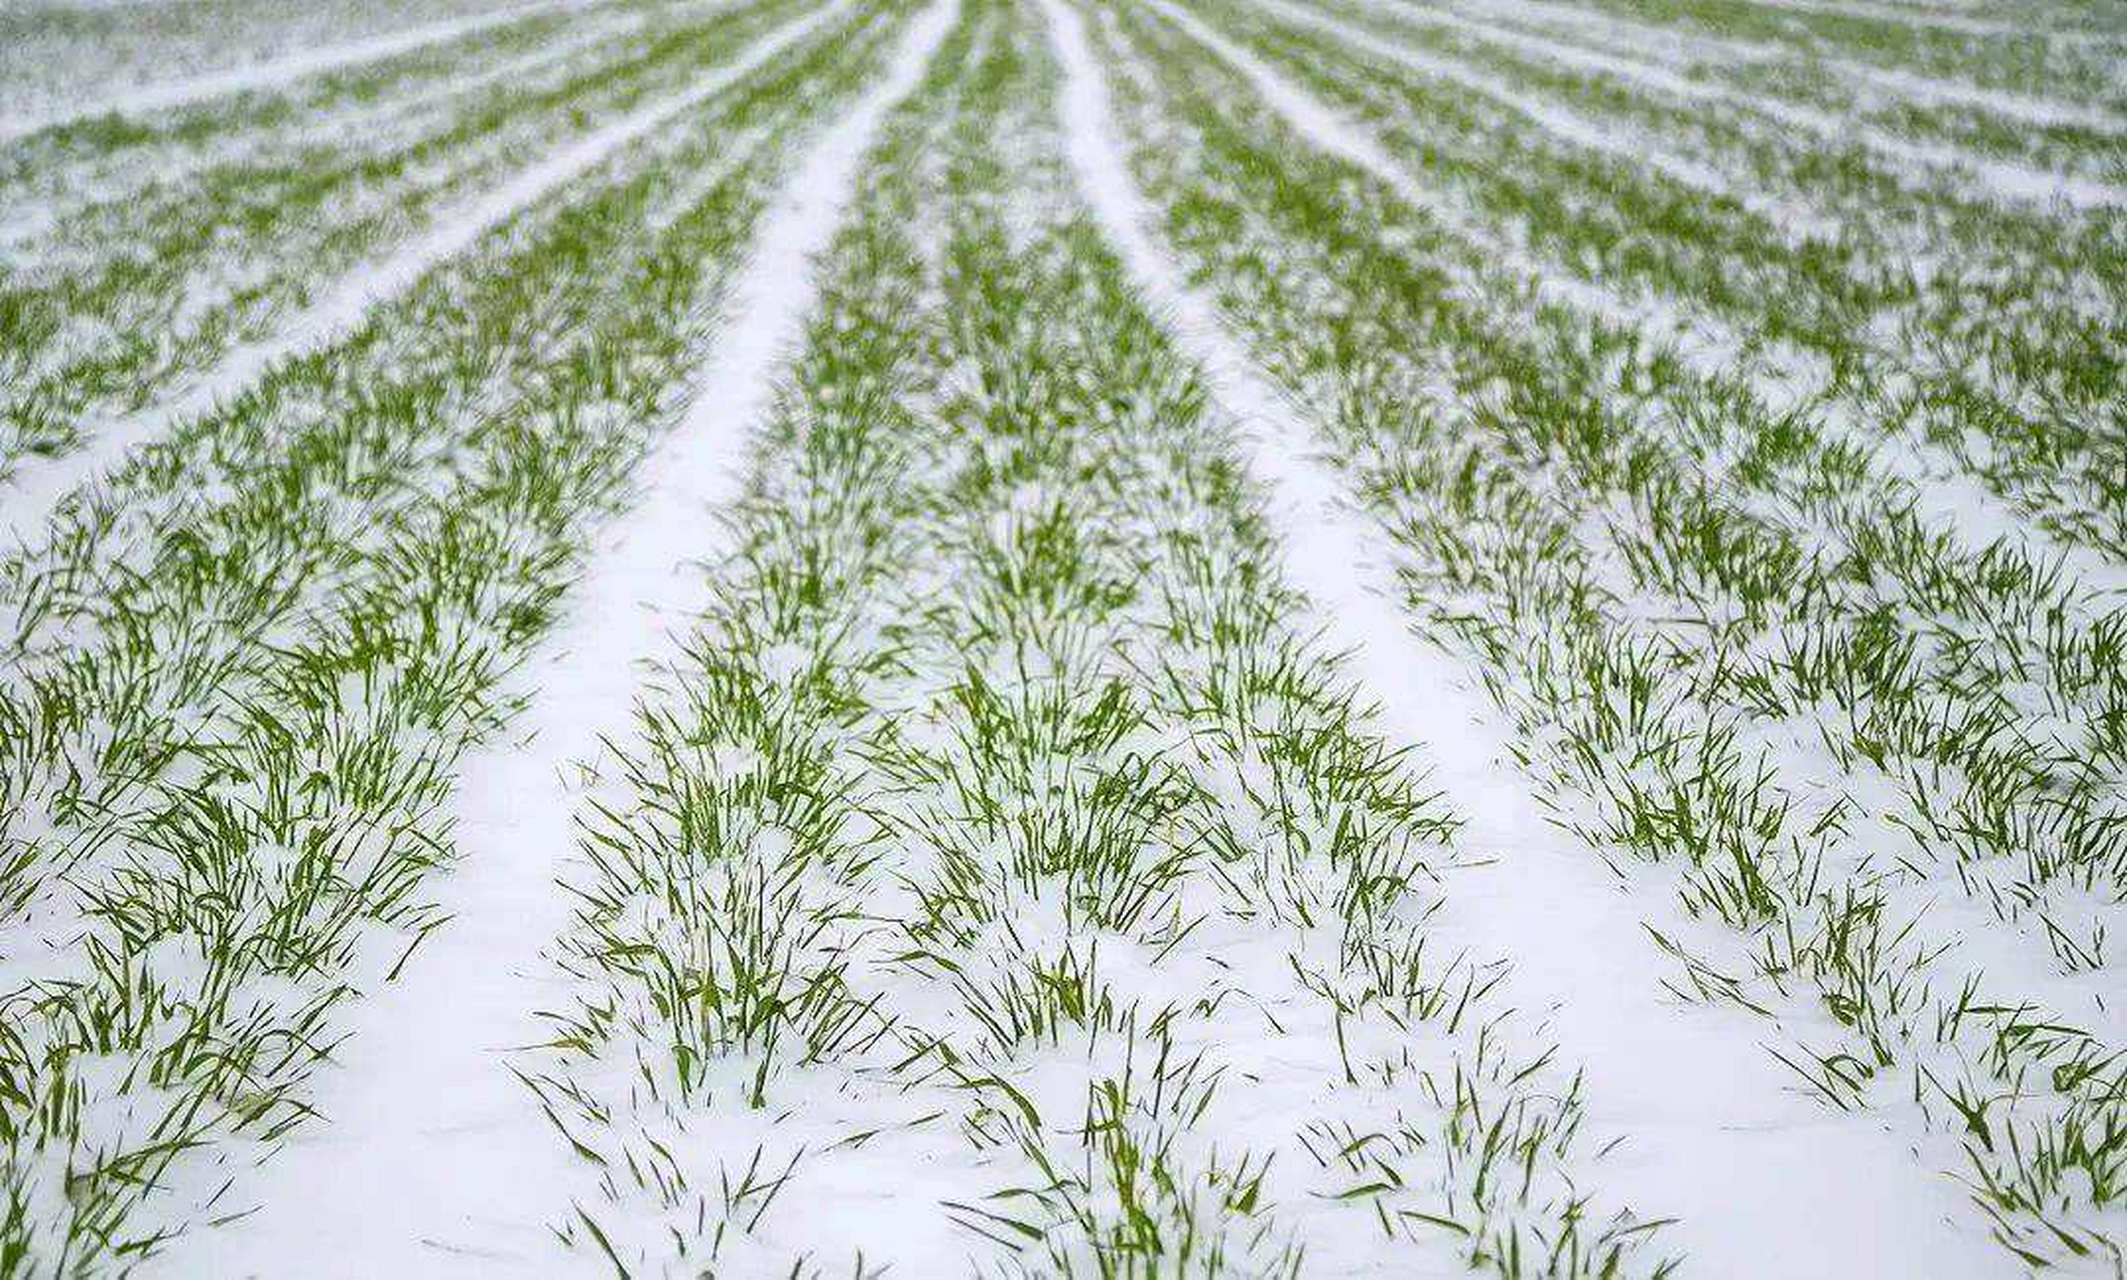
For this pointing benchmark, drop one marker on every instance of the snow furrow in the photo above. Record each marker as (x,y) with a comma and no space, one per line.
(433,1159)
(1717,1134)
(37,490)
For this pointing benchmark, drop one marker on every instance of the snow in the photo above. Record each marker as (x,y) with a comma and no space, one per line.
(434,1159)
(164,95)
(38,488)
(1911,16)
(2000,179)
(1623,34)
(1565,125)
(431,1156)
(1945,496)
(1717,1134)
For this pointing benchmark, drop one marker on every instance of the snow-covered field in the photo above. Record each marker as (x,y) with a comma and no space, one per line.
(1101,638)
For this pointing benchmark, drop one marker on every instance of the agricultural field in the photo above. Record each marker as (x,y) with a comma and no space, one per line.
(1063,638)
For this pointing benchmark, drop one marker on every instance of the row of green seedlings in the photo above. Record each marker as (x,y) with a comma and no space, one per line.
(240,676)
(172,284)
(1829,80)
(1814,496)
(1815,744)
(2001,825)
(1000,881)
(50,54)
(1822,180)
(61,479)
(1939,112)
(2050,53)
(66,205)
(1995,338)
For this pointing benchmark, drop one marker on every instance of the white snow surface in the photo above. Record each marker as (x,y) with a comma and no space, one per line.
(39,487)
(432,1158)
(1718,1136)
